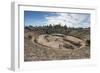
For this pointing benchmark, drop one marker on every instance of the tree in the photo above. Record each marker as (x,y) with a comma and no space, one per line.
(65,26)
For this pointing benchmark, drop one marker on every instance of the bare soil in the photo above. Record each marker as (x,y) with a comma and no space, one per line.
(54,47)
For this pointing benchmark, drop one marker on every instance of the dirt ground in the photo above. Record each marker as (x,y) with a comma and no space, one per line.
(55,47)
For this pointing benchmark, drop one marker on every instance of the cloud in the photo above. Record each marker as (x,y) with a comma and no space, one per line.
(70,19)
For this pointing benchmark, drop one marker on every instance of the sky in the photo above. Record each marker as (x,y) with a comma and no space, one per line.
(39,18)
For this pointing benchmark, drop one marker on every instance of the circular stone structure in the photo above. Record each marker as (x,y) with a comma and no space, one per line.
(60,41)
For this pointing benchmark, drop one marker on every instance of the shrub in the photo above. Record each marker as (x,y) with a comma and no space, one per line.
(29,37)
(87,42)
(35,40)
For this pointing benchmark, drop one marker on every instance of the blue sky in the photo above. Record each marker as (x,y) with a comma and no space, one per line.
(38,18)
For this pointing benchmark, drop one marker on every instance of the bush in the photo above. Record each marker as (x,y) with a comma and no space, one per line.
(35,40)
(87,42)
(29,37)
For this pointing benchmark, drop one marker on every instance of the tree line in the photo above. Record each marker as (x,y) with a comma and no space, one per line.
(49,29)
